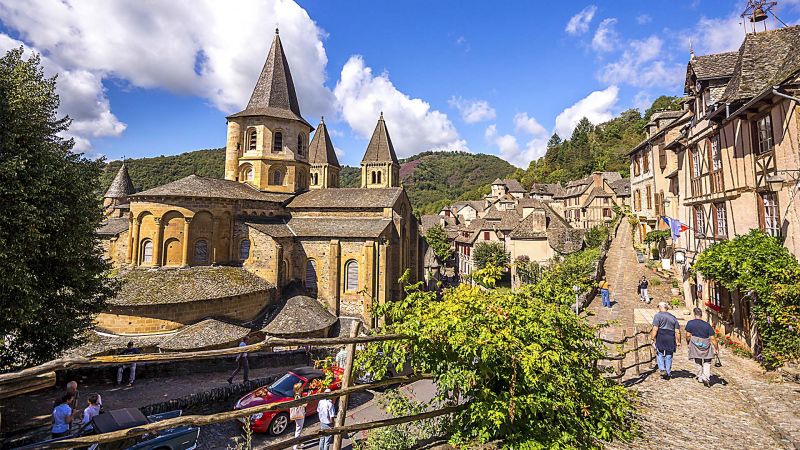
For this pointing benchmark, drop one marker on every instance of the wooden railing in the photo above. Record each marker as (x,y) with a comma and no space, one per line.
(619,358)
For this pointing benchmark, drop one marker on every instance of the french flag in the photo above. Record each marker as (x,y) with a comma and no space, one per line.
(675,226)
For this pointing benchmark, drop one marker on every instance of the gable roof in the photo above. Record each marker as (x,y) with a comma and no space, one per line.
(205,187)
(300,315)
(622,188)
(274,94)
(513,185)
(113,226)
(326,227)
(347,198)
(122,186)
(717,65)
(380,148)
(765,58)
(502,220)
(321,150)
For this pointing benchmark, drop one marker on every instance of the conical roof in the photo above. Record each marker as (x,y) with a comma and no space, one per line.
(380,148)
(122,186)
(321,150)
(274,93)
(300,316)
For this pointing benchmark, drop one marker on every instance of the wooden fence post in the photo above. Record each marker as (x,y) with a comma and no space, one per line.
(346,376)
(636,352)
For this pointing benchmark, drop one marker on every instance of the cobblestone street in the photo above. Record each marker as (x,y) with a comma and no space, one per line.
(744,408)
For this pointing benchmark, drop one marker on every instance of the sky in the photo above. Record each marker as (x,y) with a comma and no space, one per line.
(149,78)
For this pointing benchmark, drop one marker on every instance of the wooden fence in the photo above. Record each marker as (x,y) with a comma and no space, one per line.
(638,341)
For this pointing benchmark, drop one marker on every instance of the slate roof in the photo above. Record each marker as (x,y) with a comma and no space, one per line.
(323,227)
(347,198)
(513,185)
(547,189)
(299,315)
(718,65)
(380,148)
(321,150)
(113,226)
(596,193)
(428,221)
(578,187)
(205,187)
(502,220)
(764,59)
(206,334)
(274,94)
(167,286)
(622,187)
(122,186)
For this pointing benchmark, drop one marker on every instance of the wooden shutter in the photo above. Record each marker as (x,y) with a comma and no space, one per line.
(352,276)
(761,218)
(659,204)
(662,158)
(715,225)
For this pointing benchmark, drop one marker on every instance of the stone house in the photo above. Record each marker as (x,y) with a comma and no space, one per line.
(590,201)
(545,191)
(739,159)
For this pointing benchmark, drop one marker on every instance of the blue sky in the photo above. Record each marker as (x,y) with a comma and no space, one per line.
(145,79)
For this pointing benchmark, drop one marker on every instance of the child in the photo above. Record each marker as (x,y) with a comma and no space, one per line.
(93,409)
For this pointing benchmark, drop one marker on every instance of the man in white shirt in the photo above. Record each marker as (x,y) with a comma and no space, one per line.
(326,413)
(241,363)
(341,357)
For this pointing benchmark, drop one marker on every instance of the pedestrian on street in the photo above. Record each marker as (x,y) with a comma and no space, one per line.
(604,294)
(298,413)
(93,408)
(644,295)
(326,413)
(62,416)
(665,338)
(129,350)
(341,357)
(241,363)
(703,345)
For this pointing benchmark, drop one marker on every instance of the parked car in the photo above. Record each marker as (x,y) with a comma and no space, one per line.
(282,390)
(179,438)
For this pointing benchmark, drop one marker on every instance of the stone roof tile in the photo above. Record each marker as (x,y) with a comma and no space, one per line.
(347,198)
(113,226)
(718,65)
(205,187)
(122,186)
(380,148)
(204,335)
(300,315)
(321,150)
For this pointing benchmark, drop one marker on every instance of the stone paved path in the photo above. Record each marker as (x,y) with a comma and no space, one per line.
(744,408)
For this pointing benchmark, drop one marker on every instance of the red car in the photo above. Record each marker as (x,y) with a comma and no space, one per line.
(282,390)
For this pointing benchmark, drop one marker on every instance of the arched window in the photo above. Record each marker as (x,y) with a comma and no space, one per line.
(147,251)
(374,177)
(300,143)
(201,251)
(251,141)
(379,177)
(315,179)
(277,177)
(247,173)
(277,142)
(351,280)
(244,249)
(311,275)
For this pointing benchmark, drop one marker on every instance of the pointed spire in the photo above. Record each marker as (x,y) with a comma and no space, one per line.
(274,94)
(691,51)
(380,148)
(321,150)
(122,186)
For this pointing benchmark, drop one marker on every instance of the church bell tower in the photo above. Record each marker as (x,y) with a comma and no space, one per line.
(379,167)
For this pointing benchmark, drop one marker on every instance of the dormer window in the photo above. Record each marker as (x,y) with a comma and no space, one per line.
(277,142)
(252,139)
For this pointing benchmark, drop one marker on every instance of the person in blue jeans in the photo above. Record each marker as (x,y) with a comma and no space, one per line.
(604,294)
(665,337)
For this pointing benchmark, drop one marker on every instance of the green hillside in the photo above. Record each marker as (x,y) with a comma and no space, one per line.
(151,172)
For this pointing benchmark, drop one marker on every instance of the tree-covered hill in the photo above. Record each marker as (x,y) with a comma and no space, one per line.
(432,178)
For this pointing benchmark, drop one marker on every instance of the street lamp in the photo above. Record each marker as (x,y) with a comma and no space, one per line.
(776,180)
(577,289)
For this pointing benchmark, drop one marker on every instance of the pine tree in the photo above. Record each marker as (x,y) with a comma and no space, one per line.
(54,279)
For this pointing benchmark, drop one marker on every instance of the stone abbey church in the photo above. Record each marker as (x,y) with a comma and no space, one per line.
(279,215)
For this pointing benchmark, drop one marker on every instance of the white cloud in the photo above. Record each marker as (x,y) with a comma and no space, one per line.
(82,98)
(579,23)
(453,146)
(715,35)
(473,111)
(490,132)
(413,125)
(597,107)
(642,100)
(207,48)
(521,157)
(528,124)
(643,19)
(640,66)
(605,37)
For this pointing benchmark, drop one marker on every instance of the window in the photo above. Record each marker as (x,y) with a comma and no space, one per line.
(277,142)
(763,135)
(716,153)
(637,200)
(769,216)
(662,158)
(201,251)
(311,275)
(649,198)
(379,177)
(351,280)
(315,179)
(244,249)
(637,168)
(299,144)
(247,173)
(485,235)
(659,201)
(147,251)
(696,162)
(277,177)
(374,177)
(607,213)
(699,221)
(646,161)
(720,220)
(251,141)
(714,296)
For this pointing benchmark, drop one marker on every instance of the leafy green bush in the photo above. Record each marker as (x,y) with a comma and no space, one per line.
(490,252)
(556,283)
(761,268)
(404,435)
(596,236)
(437,239)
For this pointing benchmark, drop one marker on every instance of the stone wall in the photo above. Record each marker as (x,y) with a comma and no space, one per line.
(157,318)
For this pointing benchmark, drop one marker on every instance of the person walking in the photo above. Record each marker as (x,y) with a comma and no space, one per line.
(241,363)
(326,413)
(62,416)
(129,350)
(298,413)
(93,408)
(703,345)
(665,338)
(644,295)
(604,293)
(341,357)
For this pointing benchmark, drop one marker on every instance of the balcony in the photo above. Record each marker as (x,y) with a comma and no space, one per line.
(717,181)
